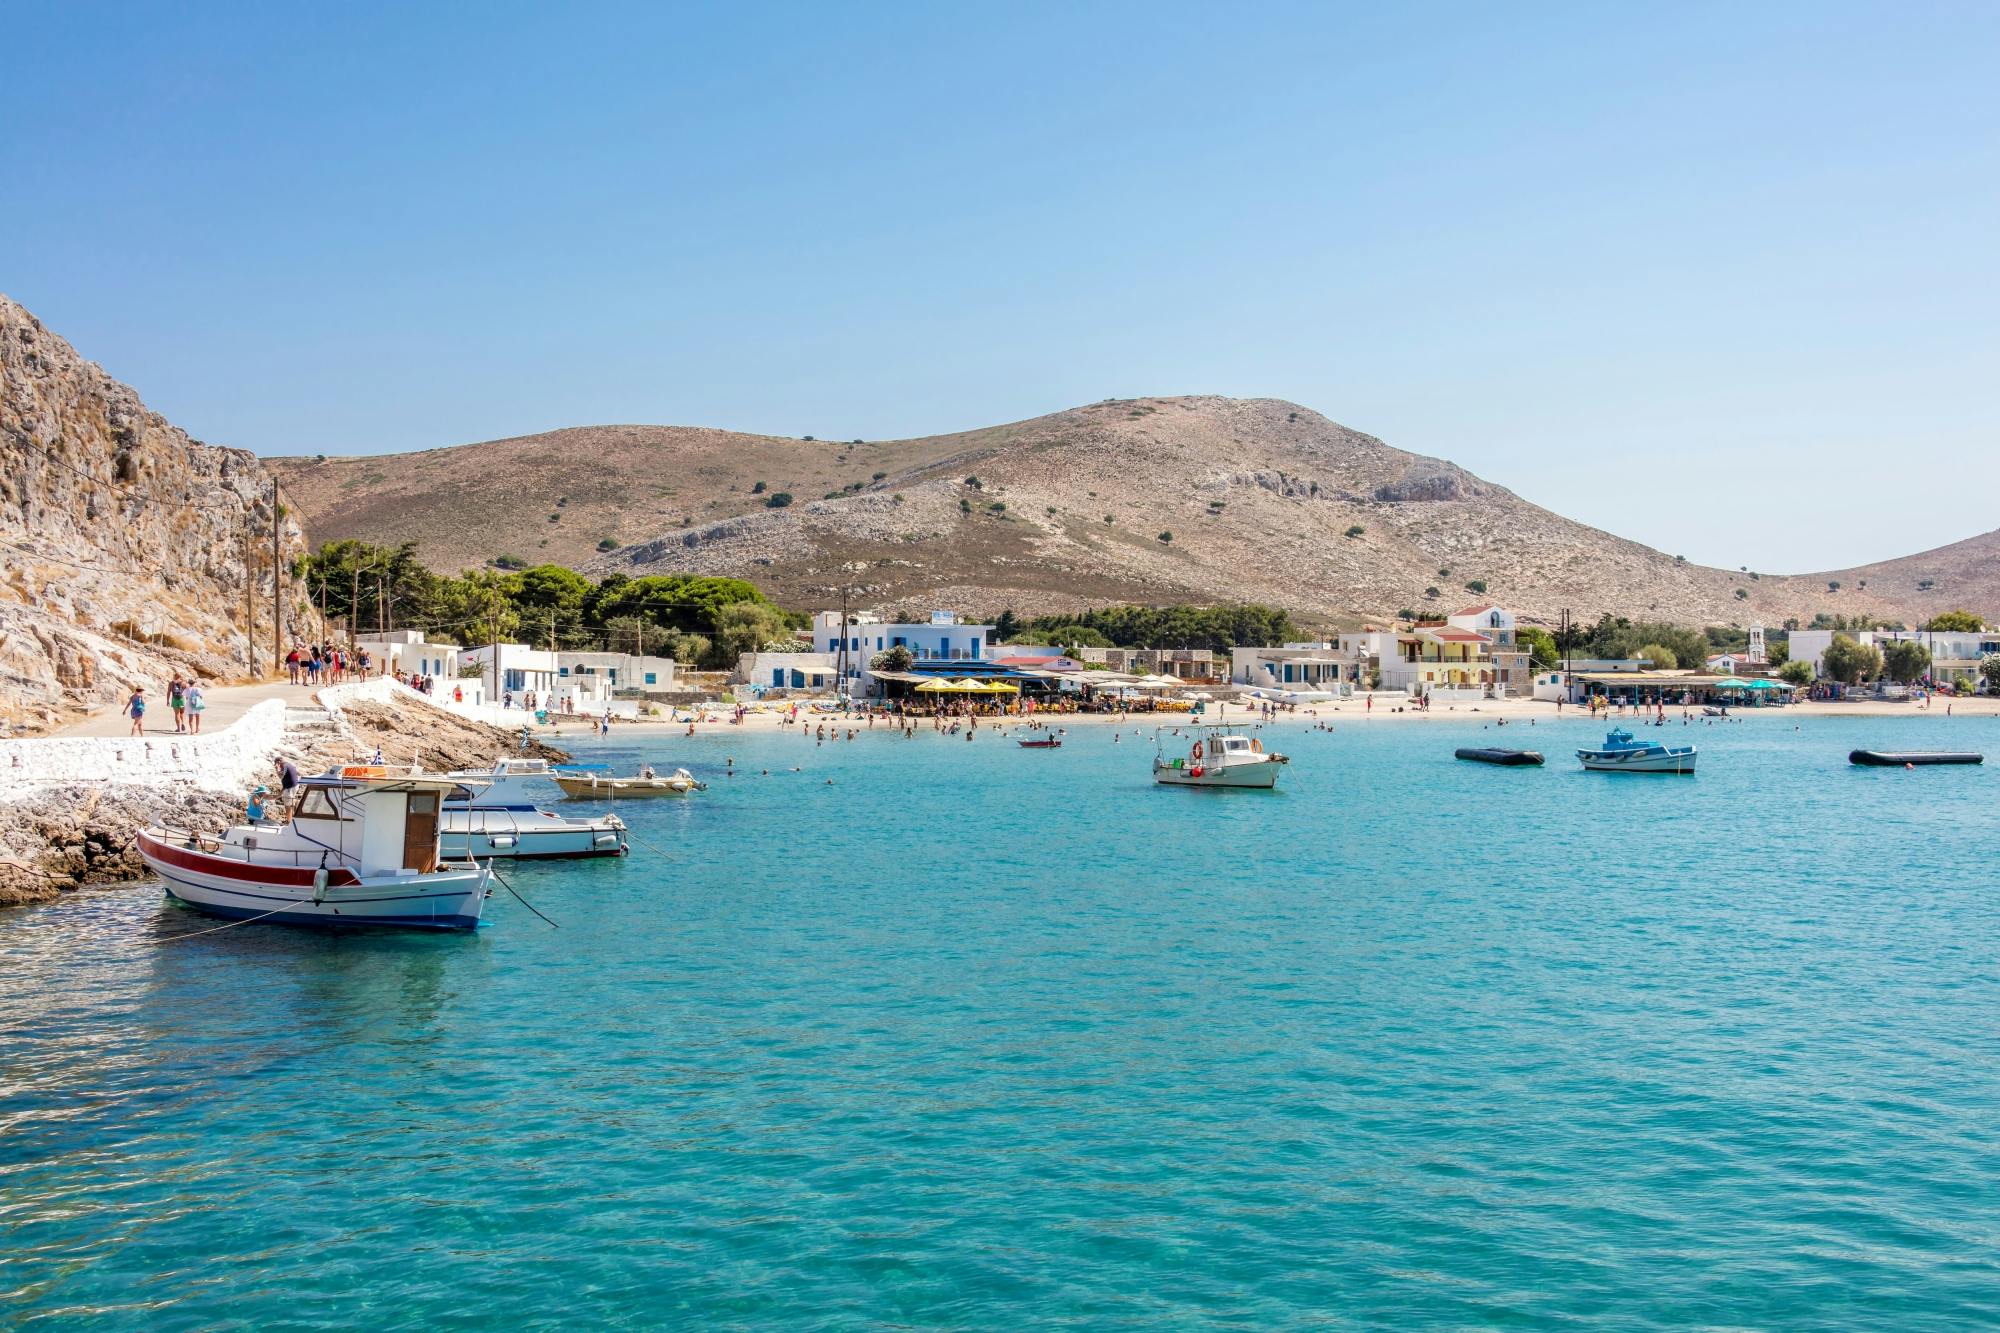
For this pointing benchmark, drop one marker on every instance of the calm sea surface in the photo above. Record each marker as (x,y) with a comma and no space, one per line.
(937,1033)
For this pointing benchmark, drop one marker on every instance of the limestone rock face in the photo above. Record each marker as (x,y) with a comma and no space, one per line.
(122,540)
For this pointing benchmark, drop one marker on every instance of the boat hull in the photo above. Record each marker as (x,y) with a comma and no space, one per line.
(1242,777)
(227,887)
(621,789)
(1912,758)
(480,835)
(1637,761)
(1503,758)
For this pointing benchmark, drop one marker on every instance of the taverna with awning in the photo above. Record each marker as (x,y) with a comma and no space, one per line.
(1672,687)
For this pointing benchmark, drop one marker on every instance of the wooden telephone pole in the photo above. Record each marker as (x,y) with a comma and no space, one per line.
(250,600)
(277,590)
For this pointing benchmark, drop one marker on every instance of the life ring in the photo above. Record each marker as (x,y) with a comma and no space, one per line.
(1256,747)
(1196,752)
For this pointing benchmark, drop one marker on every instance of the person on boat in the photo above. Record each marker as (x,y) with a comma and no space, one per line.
(135,708)
(288,778)
(255,807)
(646,771)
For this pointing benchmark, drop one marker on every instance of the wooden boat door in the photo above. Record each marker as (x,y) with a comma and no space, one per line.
(420,832)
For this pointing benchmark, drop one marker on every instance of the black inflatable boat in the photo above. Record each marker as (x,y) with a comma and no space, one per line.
(1900,758)
(1508,758)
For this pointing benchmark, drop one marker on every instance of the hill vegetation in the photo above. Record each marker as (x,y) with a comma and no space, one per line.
(1149,501)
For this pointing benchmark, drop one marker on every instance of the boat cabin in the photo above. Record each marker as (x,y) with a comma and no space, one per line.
(372,822)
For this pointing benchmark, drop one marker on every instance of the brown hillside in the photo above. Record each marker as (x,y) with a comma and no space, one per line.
(1259,496)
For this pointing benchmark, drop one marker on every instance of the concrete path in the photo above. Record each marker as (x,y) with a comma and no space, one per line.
(225,705)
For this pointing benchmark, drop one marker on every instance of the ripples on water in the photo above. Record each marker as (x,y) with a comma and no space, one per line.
(983,1036)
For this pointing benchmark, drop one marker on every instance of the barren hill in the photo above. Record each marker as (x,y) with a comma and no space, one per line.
(121,540)
(1147,500)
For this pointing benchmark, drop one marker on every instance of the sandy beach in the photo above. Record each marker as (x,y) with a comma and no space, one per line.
(1387,709)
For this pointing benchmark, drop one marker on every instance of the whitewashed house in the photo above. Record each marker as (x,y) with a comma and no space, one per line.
(407,651)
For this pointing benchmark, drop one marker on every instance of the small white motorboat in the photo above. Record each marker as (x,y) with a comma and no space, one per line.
(1220,758)
(495,814)
(1622,754)
(598,787)
(360,848)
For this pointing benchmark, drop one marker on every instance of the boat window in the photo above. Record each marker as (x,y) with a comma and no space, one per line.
(316,803)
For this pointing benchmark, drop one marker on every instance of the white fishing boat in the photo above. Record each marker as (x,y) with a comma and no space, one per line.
(1622,754)
(1219,757)
(496,813)
(359,848)
(602,787)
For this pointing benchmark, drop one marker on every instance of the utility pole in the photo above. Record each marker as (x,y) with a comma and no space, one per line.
(249,601)
(277,590)
(493,626)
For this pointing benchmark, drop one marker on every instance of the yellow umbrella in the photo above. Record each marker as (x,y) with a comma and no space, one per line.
(1002,687)
(935,687)
(968,686)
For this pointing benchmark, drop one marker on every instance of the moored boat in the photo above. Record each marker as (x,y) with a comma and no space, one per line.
(359,848)
(1219,758)
(496,813)
(592,786)
(1622,754)
(1045,743)
(1487,754)
(1912,758)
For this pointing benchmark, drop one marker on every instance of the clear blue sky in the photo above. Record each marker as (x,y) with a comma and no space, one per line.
(1599,253)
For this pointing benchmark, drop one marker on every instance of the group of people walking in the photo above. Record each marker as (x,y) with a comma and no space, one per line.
(185,700)
(325,664)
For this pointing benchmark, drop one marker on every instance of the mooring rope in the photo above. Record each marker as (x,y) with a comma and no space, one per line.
(517,897)
(228,925)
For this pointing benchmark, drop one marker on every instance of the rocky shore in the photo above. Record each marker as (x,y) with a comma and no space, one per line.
(71,837)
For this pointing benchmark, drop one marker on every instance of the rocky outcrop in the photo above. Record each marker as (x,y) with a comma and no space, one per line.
(127,549)
(65,838)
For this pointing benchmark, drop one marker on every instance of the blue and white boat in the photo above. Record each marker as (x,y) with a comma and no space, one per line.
(1622,754)
(497,812)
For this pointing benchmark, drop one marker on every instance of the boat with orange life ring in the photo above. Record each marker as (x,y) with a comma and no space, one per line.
(1222,758)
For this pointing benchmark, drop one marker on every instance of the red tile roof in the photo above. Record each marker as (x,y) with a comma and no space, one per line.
(1457,635)
(1477,610)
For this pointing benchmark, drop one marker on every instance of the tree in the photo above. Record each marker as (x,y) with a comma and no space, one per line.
(758,488)
(1475,585)
(1083,636)
(634,634)
(1778,652)
(1850,661)
(747,627)
(1662,657)
(689,649)
(1433,592)
(1166,536)
(778,500)
(896,658)
(551,597)
(1006,627)
(1356,530)
(1905,660)
(1541,646)
(1989,667)
(1798,672)
(1955,622)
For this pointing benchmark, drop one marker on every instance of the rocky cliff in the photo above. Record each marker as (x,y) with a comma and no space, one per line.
(122,541)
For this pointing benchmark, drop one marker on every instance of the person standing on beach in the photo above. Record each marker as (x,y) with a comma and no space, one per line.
(195,705)
(177,701)
(135,708)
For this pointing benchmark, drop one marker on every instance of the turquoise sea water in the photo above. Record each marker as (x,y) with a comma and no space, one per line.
(977,1036)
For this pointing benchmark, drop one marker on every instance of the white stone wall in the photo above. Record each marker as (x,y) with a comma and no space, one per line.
(222,760)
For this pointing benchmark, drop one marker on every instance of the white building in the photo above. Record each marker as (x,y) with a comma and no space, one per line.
(1327,665)
(603,675)
(1954,653)
(407,651)
(788,671)
(863,634)
(514,668)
